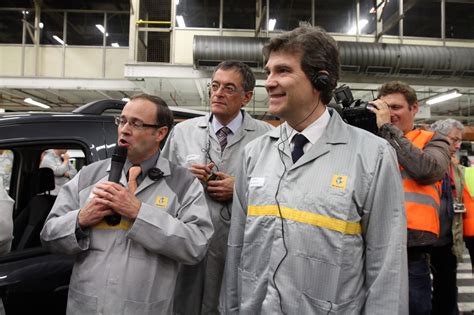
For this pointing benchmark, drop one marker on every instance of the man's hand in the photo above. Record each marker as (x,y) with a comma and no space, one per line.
(381,110)
(65,157)
(221,189)
(118,198)
(202,171)
(93,213)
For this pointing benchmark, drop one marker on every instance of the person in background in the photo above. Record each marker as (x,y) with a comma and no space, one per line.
(6,164)
(318,225)
(130,266)
(6,220)
(6,207)
(212,148)
(448,249)
(424,158)
(58,161)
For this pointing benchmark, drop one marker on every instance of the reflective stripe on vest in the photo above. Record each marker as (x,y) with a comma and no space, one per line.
(315,219)
(422,202)
(468,222)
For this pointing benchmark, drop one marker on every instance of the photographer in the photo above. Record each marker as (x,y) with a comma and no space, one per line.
(424,159)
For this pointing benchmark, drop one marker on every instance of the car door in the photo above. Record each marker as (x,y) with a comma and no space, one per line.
(32,280)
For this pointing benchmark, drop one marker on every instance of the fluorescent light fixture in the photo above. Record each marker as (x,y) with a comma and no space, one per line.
(180,20)
(271,24)
(41,24)
(125,99)
(443,97)
(115,45)
(102,29)
(177,2)
(59,40)
(362,24)
(35,103)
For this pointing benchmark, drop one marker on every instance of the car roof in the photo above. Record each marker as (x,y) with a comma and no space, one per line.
(93,111)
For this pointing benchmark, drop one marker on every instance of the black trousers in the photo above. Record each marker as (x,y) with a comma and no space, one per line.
(445,290)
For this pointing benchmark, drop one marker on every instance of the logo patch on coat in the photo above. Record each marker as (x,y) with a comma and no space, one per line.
(161,201)
(339,181)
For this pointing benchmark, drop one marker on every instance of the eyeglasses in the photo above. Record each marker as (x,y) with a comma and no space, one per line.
(228,88)
(133,123)
(454,139)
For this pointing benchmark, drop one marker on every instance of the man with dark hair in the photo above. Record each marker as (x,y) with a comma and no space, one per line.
(211,147)
(130,267)
(317,218)
(424,159)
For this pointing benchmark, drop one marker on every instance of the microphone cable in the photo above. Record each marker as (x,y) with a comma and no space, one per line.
(280,153)
(224,212)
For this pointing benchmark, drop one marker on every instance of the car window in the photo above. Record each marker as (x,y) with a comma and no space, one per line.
(40,172)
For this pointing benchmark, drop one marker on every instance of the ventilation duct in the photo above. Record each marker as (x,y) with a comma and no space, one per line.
(365,58)
(408,60)
(208,51)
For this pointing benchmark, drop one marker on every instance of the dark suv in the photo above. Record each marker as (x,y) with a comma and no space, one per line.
(32,280)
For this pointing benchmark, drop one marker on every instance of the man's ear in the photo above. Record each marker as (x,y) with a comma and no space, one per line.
(247,97)
(161,133)
(415,107)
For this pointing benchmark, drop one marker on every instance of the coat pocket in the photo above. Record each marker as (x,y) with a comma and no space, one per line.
(143,308)
(310,305)
(246,286)
(79,303)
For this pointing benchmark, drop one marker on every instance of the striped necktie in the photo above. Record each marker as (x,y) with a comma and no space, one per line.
(222,136)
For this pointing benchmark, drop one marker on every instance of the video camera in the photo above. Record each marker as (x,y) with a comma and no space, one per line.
(355,113)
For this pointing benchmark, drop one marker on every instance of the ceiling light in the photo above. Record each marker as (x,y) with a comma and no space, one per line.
(362,24)
(102,29)
(271,24)
(443,97)
(59,40)
(177,2)
(180,20)
(41,25)
(35,103)
(115,45)
(125,99)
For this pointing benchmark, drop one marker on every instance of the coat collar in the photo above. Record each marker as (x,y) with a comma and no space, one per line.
(337,132)
(161,163)
(164,166)
(248,125)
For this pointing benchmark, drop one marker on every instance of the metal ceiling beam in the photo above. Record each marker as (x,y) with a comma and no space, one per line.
(104,94)
(68,84)
(376,79)
(60,98)
(42,99)
(140,71)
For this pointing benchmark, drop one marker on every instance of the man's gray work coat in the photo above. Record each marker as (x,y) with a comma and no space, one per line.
(192,141)
(341,248)
(130,271)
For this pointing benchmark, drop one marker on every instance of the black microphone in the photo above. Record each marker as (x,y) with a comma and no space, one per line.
(118,160)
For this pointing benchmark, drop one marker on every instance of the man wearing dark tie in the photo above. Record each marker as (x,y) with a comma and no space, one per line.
(212,147)
(318,225)
(130,266)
